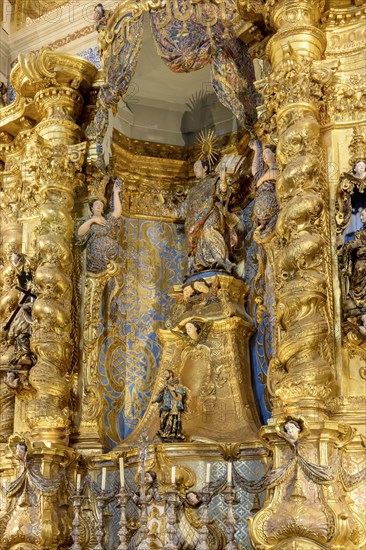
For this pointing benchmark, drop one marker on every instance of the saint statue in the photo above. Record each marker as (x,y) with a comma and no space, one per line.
(172,405)
(353,265)
(265,204)
(100,233)
(22,268)
(101,16)
(209,224)
(19,335)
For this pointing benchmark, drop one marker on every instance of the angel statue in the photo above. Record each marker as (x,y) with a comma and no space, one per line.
(172,399)
(265,204)
(100,233)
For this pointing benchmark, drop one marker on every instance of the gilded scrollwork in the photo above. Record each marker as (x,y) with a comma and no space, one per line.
(297,481)
(346,100)
(91,401)
(297,79)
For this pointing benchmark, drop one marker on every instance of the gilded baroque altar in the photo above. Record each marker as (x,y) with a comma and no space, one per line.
(183,335)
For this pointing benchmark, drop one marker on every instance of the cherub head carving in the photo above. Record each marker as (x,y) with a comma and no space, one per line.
(292,430)
(193,329)
(359,169)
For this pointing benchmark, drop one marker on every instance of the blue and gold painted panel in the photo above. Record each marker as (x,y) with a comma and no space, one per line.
(135,305)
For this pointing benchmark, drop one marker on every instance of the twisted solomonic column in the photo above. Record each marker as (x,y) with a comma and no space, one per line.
(57,157)
(302,510)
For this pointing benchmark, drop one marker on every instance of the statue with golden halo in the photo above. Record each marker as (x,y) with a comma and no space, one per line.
(210,225)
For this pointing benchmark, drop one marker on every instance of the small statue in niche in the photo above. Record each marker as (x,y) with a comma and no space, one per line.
(100,233)
(266,207)
(353,266)
(172,401)
(19,335)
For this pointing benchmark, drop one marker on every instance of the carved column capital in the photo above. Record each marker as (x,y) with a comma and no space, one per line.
(280,14)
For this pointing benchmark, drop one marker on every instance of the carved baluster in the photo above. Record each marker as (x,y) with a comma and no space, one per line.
(76,501)
(123,531)
(203,530)
(172,504)
(230,499)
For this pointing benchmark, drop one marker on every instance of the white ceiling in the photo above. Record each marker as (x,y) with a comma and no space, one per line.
(154,81)
(167,107)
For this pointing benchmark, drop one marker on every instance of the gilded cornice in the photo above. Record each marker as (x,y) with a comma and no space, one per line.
(154,174)
(346,40)
(149,170)
(338,17)
(150,149)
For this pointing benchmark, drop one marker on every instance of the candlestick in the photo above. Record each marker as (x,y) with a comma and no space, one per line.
(203,530)
(173,475)
(78,482)
(230,499)
(229,471)
(172,504)
(121,471)
(104,478)
(208,472)
(77,500)
(101,502)
(123,529)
